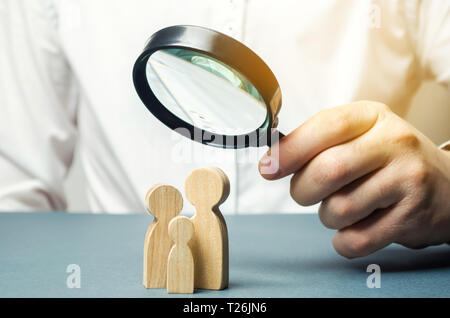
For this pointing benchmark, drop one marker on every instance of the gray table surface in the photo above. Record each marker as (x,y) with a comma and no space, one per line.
(270,256)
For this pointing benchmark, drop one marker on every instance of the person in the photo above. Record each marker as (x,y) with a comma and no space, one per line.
(65,81)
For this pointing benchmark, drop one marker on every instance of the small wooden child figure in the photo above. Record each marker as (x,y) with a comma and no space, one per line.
(180,264)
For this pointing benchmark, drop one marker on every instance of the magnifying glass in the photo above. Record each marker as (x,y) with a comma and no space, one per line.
(208,87)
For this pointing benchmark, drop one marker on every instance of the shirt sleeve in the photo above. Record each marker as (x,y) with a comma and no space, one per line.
(38,98)
(433,40)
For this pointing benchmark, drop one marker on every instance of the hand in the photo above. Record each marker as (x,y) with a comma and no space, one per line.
(379,179)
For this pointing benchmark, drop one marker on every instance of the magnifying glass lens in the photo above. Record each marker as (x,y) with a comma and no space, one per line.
(205,92)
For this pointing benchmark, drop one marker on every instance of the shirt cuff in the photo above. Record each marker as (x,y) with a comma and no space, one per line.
(445,146)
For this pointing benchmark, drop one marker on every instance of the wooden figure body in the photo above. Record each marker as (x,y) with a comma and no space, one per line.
(180,263)
(206,189)
(164,202)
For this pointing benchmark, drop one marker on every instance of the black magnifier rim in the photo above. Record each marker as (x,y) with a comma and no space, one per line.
(224,49)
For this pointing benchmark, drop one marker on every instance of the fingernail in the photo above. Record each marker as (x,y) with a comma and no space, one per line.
(267,165)
(265,161)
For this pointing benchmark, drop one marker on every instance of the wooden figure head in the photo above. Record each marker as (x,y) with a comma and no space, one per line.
(164,201)
(181,230)
(207,187)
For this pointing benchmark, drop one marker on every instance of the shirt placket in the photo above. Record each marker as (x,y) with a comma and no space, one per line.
(233,18)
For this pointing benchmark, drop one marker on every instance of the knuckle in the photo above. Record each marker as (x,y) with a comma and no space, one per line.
(415,215)
(412,241)
(330,170)
(302,195)
(419,174)
(344,208)
(381,107)
(297,196)
(356,244)
(344,124)
(324,215)
(374,105)
(341,121)
(334,212)
(406,138)
(414,245)
(418,198)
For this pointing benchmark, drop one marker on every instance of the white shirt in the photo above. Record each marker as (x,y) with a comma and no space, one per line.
(65,80)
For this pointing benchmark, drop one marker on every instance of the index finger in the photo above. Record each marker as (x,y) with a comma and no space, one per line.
(326,129)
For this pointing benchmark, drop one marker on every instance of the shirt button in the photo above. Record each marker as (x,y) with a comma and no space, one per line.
(230,28)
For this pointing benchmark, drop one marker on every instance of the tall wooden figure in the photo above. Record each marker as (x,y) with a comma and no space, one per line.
(180,264)
(206,189)
(164,202)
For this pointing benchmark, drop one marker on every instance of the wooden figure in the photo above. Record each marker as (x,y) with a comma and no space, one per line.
(164,202)
(206,189)
(180,264)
